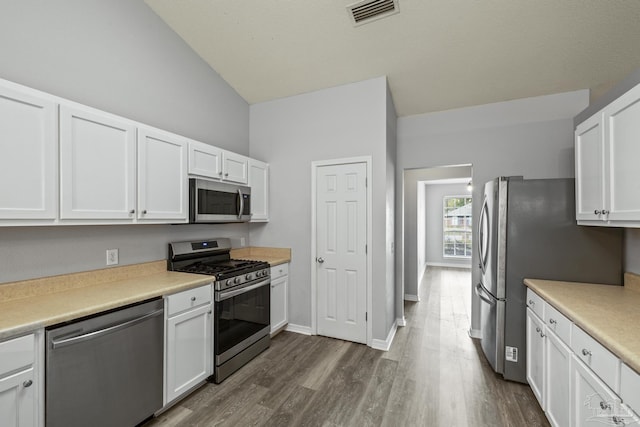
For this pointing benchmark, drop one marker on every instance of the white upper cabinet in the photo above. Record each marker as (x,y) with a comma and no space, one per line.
(97,165)
(235,167)
(622,128)
(28,160)
(215,163)
(607,176)
(590,169)
(205,160)
(259,183)
(162,176)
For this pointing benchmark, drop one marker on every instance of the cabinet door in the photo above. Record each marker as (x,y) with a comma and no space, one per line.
(97,165)
(557,381)
(28,164)
(162,176)
(622,129)
(593,403)
(205,160)
(589,146)
(279,315)
(235,167)
(17,400)
(259,182)
(189,358)
(535,355)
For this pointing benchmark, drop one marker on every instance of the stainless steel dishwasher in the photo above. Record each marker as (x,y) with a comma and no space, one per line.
(106,370)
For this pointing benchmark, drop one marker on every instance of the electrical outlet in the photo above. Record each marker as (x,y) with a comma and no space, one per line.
(112,256)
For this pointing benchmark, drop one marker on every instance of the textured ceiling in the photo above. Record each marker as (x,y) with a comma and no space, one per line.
(437,54)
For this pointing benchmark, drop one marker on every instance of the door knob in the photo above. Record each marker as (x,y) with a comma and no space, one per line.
(320,260)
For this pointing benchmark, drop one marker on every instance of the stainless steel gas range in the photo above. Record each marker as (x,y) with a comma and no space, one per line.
(241,321)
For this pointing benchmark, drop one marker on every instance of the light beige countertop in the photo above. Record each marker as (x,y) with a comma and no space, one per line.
(273,256)
(610,314)
(31,304)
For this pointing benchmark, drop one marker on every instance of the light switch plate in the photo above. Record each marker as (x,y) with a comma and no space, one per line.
(112,256)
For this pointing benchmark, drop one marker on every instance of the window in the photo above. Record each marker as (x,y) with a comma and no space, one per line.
(456,236)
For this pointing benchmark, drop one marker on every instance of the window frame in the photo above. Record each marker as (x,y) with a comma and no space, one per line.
(466,230)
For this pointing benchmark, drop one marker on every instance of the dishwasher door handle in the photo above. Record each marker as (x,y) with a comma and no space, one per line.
(105,331)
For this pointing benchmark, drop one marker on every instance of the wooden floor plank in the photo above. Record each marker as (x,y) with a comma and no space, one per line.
(433,375)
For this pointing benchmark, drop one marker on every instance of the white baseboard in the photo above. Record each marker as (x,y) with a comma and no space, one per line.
(401,321)
(385,345)
(475,333)
(409,297)
(299,329)
(448,264)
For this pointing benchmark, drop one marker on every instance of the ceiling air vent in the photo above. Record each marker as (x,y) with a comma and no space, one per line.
(366,11)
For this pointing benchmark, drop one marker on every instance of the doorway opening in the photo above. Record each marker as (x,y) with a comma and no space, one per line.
(437,228)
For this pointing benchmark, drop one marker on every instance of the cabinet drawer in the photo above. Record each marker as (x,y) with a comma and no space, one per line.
(604,363)
(557,323)
(16,353)
(188,299)
(630,387)
(535,303)
(279,271)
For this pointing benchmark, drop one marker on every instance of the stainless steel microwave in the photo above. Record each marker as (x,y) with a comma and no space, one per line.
(218,202)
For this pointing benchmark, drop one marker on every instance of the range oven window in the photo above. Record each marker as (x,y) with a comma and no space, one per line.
(240,317)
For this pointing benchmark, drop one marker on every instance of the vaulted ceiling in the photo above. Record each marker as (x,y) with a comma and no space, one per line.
(437,54)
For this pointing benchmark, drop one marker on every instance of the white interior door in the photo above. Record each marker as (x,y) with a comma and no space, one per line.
(341,251)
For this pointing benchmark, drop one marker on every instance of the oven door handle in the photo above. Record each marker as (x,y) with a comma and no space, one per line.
(224,295)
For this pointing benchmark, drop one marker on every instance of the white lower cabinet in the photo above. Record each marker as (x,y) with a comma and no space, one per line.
(279,297)
(20,388)
(189,341)
(535,355)
(593,403)
(557,381)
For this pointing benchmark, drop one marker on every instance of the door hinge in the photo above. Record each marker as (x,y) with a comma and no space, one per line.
(366,249)
(366,316)
(366,182)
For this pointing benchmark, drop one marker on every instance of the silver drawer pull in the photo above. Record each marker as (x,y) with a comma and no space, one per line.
(586,352)
(532,302)
(552,321)
(537,329)
(597,212)
(619,421)
(604,406)
(542,335)
(27,383)
(193,298)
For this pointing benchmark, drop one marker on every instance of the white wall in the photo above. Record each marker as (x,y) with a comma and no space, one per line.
(291,133)
(531,137)
(118,56)
(434,194)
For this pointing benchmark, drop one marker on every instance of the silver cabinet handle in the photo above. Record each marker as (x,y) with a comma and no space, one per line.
(597,212)
(604,406)
(552,321)
(586,352)
(542,335)
(209,312)
(144,212)
(605,212)
(226,174)
(537,329)
(532,302)
(132,211)
(27,383)
(193,298)
(320,260)
(220,173)
(619,421)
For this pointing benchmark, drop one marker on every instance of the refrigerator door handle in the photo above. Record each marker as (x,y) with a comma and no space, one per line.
(484,295)
(483,235)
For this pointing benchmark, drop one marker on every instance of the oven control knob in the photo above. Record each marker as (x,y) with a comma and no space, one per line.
(228,282)
(248,277)
(236,280)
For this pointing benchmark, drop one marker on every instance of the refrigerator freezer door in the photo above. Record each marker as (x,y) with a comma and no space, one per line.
(492,323)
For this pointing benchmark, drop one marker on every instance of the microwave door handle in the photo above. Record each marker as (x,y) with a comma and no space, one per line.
(240,203)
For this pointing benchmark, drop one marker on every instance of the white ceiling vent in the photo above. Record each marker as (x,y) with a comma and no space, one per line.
(367,11)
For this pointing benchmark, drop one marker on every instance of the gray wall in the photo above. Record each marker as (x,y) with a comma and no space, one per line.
(632,250)
(434,194)
(531,137)
(291,133)
(118,56)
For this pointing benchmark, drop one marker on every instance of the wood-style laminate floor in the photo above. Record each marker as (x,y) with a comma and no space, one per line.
(434,375)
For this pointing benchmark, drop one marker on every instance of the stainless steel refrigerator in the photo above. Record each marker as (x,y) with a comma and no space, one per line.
(527,229)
